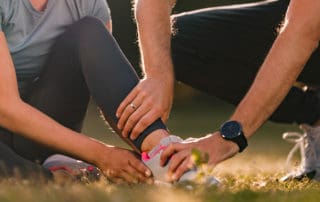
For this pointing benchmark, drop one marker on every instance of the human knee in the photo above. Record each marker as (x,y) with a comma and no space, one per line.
(88,29)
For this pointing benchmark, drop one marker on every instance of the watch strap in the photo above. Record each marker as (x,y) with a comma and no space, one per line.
(241,141)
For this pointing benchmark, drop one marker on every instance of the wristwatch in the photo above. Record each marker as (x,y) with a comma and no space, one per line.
(232,130)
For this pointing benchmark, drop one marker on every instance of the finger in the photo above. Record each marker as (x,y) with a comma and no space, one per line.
(165,116)
(117,180)
(128,177)
(125,115)
(168,152)
(113,176)
(176,160)
(143,123)
(133,119)
(126,101)
(138,102)
(140,167)
(139,177)
(183,167)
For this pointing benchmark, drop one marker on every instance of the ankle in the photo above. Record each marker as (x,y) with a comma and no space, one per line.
(153,139)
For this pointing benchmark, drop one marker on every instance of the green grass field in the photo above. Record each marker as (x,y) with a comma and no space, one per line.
(250,176)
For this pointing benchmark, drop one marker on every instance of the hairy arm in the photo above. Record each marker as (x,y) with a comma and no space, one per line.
(297,40)
(154,31)
(154,94)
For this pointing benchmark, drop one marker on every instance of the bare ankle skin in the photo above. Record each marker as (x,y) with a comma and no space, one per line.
(153,139)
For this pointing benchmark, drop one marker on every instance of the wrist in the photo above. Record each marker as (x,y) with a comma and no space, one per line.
(165,81)
(102,154)
(227,149)
(232,131)
(165,75)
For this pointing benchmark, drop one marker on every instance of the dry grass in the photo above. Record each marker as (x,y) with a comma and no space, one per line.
(250,176)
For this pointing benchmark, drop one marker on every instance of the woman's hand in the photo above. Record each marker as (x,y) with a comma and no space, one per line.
(122,166)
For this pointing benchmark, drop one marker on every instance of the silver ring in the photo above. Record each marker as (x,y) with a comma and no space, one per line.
(133,106)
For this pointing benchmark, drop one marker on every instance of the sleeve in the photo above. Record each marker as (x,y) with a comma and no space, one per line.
(101,10)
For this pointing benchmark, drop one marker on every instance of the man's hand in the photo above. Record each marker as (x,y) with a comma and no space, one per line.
(180,154)
(149,100)
(122,166)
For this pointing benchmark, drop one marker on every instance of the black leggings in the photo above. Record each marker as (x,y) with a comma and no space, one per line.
(85,61)
(219,51)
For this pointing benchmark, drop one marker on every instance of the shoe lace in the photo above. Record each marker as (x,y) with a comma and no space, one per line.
(305,142)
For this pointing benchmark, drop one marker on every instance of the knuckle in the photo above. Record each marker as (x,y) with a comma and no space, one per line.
(173,158)
(130,122)
(157,110)
(110,173)
(148,102)
(182,169)
(143,123)
(134,118)
(171,146)
(143,93)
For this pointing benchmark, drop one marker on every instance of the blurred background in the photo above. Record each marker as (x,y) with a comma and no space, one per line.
(194,113)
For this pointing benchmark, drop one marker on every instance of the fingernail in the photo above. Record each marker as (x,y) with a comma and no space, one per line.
(148,173)
(168,176)
(117,115)
(174,177)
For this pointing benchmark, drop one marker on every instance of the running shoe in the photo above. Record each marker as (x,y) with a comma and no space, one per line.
(71,169)
(309,144)
(193,176)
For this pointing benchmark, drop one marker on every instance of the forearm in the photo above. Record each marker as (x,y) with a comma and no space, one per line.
(27,121)
(154,32)
(282,66)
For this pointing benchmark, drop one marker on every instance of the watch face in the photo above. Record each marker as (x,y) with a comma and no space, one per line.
(230,130)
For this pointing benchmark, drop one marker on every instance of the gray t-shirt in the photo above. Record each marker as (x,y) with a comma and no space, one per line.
(30,33)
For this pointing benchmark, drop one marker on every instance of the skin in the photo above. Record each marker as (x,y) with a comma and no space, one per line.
(44,130)
(154,94)
(298,38)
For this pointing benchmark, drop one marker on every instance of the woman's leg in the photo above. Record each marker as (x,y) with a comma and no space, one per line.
(13,165)
(85,61)
(219,50)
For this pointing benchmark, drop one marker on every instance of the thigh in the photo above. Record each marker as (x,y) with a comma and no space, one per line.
(219,50)
(60,91)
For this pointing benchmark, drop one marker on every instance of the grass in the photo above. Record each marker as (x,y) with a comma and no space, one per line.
(250,176)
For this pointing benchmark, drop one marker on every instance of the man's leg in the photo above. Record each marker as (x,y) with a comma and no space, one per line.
(219,51)
(85,61)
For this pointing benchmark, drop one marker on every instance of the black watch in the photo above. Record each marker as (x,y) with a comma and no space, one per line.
(232,130)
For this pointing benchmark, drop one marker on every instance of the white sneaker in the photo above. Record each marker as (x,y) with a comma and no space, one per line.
(152,160)
(71,169)
(309,145)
